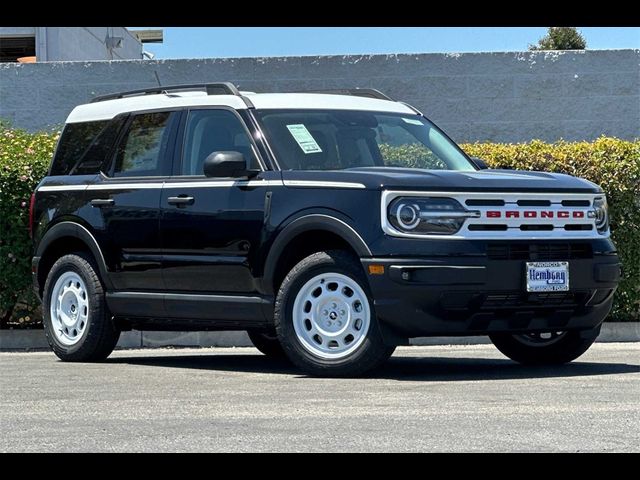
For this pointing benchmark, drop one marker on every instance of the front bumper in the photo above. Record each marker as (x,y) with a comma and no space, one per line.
(434,296)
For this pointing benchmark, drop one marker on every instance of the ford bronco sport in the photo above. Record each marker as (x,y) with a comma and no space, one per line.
(332,226)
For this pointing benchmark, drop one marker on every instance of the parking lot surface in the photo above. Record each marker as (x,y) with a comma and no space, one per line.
(436,398)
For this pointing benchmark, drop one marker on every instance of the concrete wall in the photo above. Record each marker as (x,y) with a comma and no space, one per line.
(83,43)
(507,97)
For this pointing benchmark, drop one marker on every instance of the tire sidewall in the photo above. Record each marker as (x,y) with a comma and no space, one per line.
(290,342)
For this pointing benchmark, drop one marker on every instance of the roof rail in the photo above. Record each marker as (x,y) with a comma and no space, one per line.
(356,92)
(220,88)
(412,108)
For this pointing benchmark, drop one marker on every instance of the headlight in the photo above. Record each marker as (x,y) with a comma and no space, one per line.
(601,214)
(428,216)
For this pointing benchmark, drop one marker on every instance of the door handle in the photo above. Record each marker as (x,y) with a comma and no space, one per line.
(181,200)
(102,202)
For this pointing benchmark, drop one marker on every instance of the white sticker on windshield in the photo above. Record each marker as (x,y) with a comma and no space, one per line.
(306,141)
(412,121)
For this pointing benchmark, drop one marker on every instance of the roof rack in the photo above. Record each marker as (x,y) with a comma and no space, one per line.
(220,88)
(356,92)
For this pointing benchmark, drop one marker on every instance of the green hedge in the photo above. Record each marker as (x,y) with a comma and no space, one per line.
(24,160)
(613,164)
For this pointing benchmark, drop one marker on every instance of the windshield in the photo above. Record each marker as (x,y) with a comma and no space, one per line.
(339,139)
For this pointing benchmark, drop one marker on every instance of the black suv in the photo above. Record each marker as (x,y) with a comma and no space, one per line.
(332,226)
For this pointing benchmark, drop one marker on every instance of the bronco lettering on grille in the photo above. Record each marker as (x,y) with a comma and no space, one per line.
(535,214)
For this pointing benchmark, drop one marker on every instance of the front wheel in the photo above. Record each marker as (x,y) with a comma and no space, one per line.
(325,318)
(545,348)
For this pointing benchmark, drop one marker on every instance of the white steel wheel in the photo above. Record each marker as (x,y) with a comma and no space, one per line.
(69,308)
(331,315)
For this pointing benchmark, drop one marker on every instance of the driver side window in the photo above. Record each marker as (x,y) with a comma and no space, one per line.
(211,131)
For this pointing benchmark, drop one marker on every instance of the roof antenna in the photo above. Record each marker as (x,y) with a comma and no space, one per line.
(155,72)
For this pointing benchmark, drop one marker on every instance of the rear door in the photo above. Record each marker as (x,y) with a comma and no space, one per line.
(125,200)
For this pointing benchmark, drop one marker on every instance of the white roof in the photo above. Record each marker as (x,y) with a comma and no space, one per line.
(325,101)
(108,109)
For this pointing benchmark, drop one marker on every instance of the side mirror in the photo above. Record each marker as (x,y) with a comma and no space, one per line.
(480,163)
(225,164)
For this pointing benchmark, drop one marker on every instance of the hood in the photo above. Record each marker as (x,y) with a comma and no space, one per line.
(380,178)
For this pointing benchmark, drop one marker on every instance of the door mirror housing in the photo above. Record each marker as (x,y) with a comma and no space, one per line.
(226,164)
(480,163)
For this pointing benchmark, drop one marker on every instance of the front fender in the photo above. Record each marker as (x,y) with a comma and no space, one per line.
(305,223)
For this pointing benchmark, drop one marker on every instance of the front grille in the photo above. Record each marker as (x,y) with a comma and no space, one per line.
(549,216)
(542,252)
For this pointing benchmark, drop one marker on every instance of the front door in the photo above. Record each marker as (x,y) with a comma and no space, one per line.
(211,228)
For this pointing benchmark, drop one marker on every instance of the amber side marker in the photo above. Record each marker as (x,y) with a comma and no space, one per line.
(376,269)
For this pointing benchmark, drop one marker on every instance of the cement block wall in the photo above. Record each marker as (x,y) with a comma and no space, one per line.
(505,97)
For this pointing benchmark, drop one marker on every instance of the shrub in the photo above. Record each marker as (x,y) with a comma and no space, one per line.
(24,160)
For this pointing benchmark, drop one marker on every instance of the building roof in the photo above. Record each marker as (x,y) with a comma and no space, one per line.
(108,109)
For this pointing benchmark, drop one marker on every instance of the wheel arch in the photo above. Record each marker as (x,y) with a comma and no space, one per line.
(321,227)
(63,238)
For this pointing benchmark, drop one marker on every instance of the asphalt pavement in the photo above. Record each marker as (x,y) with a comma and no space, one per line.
(436,398)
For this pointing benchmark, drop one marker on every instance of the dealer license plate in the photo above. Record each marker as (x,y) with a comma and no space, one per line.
(547,276)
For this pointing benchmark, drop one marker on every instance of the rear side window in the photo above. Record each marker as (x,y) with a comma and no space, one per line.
(143,150)
(74,141)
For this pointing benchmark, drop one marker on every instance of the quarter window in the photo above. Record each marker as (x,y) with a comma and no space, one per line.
(74,142)
(96,157)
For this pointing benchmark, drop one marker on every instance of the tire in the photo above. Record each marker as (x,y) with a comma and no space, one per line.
(532,349)
(85,333)
(268,344)
(338,339)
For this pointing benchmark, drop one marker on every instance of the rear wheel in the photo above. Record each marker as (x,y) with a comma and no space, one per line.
(325,318)
(77,323)
(545,348)
(267,343)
